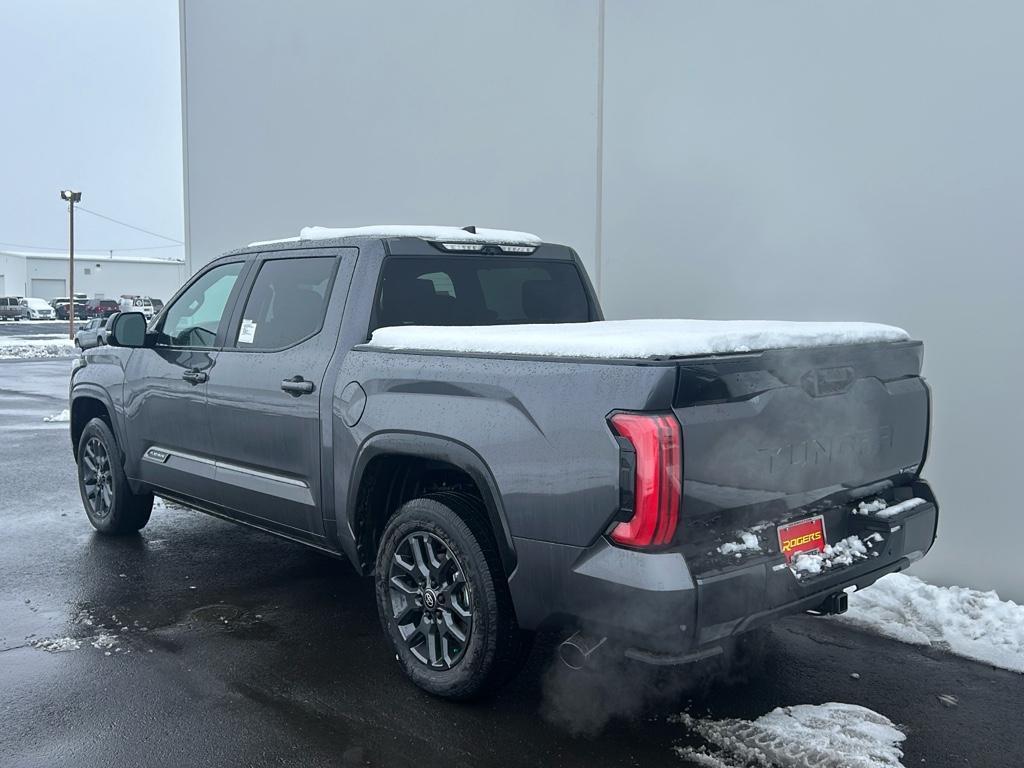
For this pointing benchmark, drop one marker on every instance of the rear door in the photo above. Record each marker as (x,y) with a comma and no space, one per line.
(165,386)
(265,396)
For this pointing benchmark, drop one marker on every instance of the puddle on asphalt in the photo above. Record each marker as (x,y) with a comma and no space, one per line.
(232,619)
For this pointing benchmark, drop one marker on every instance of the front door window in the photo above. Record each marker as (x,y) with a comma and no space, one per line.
(192,320)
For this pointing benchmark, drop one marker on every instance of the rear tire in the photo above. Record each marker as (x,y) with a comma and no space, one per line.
(443,599)
(109,502)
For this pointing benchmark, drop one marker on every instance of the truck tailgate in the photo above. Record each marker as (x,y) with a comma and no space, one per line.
(769,434)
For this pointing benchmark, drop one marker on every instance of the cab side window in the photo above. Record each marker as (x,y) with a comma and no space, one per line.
(192,320)
(287,302)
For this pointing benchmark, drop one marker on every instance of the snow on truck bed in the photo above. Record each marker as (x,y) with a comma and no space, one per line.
(635,339)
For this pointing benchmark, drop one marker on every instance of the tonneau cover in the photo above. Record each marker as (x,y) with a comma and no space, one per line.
(633,339)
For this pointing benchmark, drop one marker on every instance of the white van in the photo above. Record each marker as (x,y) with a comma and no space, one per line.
(137,304)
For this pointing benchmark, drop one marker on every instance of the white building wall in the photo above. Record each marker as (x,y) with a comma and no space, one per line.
(95,276)
(861,160)
(13,270)
(373,113)
(785,160)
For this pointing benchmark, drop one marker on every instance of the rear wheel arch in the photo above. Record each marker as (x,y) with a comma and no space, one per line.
(393,468)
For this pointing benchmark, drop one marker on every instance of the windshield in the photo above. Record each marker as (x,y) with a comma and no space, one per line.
(479,290)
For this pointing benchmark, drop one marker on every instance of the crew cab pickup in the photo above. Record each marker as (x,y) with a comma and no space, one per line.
(447,409)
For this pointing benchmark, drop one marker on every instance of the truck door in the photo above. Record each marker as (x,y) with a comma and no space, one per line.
(266,401)
(165,387)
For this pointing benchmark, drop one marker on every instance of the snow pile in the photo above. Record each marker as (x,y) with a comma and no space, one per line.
(632,338)
(967,622)
(105,642)
(64,415)
(881,509)
(443,234)
(843,552)
(829,735)
(58,644)
(748,543)
(48,345)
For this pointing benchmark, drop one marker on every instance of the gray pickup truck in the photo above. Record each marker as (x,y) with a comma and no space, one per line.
(650,506)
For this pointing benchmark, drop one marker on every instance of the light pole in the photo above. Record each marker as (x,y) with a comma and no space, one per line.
(72,197)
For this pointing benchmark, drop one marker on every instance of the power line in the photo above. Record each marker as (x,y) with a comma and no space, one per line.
(146,247)
(62,248)
(130,226)
(36,247)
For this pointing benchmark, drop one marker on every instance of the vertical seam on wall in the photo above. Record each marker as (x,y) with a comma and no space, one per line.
(183,63)
(599,165)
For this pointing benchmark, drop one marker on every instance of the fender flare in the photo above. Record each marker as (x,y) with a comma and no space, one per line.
(438,448)
(94,392)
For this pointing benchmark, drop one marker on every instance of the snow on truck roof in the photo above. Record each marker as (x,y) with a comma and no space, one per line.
(443,234)
(632,339)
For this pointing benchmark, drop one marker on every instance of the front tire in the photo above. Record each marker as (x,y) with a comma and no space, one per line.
(109,503)
(443,599)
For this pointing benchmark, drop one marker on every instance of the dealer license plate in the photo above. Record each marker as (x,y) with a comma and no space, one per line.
(802,536)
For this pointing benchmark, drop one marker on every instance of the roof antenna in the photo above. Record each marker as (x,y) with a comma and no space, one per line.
(470,229)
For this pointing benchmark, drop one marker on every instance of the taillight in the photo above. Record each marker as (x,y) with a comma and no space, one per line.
(658,442)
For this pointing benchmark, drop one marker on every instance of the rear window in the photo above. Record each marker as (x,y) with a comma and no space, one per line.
(287,302)
(470,290)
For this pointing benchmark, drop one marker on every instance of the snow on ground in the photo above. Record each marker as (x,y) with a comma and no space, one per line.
(632,338)
(92,631)
(44,345)
(58,644)
(64,415)
(967,622)
(829,735)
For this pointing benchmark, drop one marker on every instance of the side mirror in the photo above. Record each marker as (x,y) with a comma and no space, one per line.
(128,330)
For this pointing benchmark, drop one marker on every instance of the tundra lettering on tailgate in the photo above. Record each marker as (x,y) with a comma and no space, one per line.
(821,451)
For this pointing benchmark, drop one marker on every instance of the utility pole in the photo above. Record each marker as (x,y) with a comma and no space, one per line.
(72,197)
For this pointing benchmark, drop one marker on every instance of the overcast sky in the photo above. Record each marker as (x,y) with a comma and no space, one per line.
(91,99)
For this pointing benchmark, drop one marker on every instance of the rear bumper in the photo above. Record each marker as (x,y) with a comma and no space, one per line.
(659,612)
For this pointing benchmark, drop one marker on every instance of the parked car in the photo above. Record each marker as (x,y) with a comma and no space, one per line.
(102,307)
(653,489)
(158,304)
(37,309)
(10,308)
(137,304)
(60,308)
(103,334)
(93,333)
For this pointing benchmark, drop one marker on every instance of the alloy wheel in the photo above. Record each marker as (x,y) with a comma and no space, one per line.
(430,598)
(97,478)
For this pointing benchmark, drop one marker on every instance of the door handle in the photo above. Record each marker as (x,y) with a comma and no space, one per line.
(296,386)
(195,376)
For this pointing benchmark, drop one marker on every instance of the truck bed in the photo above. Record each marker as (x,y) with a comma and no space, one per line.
(633,339)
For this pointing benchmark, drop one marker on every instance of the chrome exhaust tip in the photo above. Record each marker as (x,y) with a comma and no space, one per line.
(578,650)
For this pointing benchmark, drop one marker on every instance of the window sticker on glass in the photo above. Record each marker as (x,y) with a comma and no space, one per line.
(247,332)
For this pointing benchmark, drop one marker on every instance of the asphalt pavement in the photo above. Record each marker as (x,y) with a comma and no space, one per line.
(35,327)
(205,643)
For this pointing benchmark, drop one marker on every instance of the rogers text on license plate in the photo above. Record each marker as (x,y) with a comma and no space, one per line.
(802,536)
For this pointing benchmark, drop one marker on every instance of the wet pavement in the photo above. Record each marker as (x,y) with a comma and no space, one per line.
(31,328)
(205,643)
